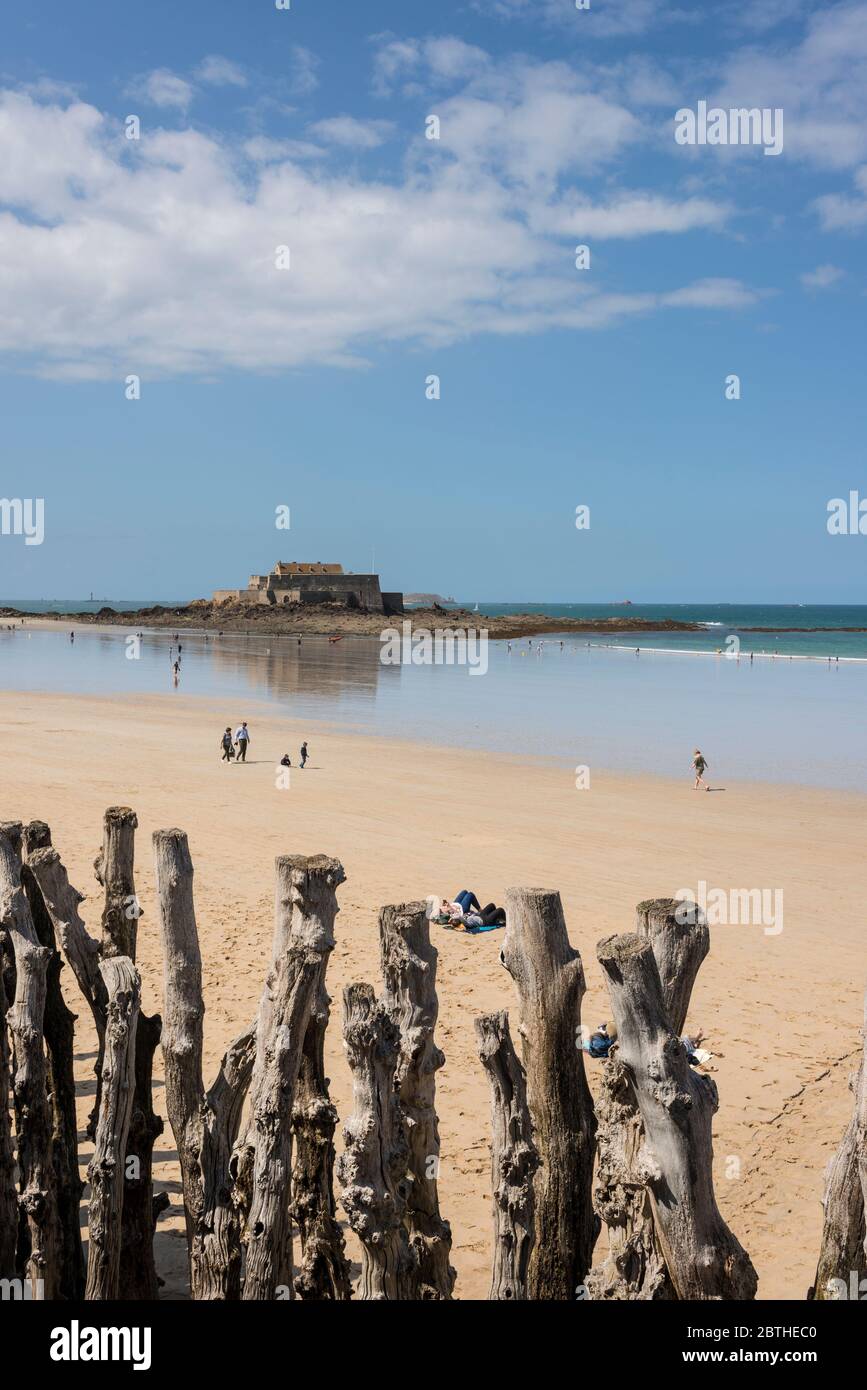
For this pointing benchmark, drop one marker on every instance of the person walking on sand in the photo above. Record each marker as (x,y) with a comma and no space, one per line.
(227,746)
(242,738)
(699,763)
(303,753)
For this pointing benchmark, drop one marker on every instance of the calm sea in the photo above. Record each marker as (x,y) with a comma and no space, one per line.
(719,620)
(582,703)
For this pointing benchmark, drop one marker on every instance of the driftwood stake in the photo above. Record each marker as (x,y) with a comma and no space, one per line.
(81,951)
(514,1159)
(373,1165)
(59,1028)
(634,1267)
(8,1195)
(311,884)
(114,870)
(549,977)
(843,1255)
(106,1169)
(409,963)
(284,1014)
(703,1257)
(205,1126)
(35,1132)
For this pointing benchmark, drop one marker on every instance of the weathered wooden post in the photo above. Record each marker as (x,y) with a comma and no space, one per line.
(37,1199)
(325,1271)
(372,1168)
(114,868)
(8,1194)
(549,978)
(409,963)
(106,1169)
(514,1159)
(79,948)
(843,1255)
(296,972)
(634,1267)
(59,1029)
(205,1125)
(703,1258)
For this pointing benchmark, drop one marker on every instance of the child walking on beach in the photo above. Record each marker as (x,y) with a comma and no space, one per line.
(699,763)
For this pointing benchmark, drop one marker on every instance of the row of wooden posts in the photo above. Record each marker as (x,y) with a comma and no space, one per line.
(256,1148)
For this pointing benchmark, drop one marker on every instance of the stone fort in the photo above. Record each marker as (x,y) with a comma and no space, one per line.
(304,583)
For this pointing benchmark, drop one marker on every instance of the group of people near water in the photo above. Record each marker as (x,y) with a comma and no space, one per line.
(235,745)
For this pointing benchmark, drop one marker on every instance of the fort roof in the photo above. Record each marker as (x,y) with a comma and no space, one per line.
(282,567)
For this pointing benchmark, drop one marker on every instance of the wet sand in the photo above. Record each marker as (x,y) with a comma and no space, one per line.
(781,1011)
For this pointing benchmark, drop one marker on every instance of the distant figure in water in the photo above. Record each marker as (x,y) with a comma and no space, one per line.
(751,658)
(303,754)
(227,746)
(177,669)
(637,650)
(72,636)
(299,641)
(699,762)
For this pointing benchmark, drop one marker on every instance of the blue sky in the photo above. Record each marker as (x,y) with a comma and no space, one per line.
(305,386)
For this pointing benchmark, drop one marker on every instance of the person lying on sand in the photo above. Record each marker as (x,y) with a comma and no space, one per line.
(466,914)
(600,1043)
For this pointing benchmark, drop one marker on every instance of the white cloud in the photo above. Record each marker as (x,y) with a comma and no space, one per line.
(819,82)
(605,19)
(822,278)
(302,72)
(351,133)
(628,215)
(840,212)
(262,149)
(158,256)
(164,88)
(443,60)
(217,71)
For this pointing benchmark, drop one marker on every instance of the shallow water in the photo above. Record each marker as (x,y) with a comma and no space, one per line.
(582,705)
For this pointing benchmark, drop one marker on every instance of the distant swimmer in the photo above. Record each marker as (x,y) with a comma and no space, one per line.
(699,763)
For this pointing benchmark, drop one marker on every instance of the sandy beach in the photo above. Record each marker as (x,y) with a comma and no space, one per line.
(781,1011)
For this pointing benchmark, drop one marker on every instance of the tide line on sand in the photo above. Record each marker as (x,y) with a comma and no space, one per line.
(744,656)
